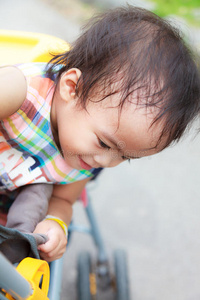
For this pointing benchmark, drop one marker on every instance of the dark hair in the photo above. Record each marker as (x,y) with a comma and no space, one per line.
(147,54)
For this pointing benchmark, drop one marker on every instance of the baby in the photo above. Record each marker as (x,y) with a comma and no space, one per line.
(127,88)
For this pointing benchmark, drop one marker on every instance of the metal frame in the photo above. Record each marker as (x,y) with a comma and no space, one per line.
(12,281)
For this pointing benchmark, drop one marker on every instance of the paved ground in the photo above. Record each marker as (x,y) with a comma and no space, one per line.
(151,207)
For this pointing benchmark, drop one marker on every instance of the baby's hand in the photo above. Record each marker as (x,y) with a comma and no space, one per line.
(54,248)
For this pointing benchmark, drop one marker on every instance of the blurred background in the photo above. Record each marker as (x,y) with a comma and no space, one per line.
(150,207)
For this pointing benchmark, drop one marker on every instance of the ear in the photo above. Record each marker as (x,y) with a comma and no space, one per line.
(68,82)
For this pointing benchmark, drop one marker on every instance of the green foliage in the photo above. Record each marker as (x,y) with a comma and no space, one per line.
(187,9)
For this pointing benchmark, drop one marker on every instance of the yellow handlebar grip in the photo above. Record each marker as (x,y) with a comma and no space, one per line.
(37,272)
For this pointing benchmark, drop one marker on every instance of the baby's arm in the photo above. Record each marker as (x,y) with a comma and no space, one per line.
(30,207)
(60,206)
(13,90)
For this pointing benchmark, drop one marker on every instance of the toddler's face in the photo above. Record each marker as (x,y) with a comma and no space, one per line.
(104,137)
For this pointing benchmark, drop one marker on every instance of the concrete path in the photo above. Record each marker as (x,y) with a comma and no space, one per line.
(150,207)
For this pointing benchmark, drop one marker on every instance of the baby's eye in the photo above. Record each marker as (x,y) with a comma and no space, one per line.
(103,145)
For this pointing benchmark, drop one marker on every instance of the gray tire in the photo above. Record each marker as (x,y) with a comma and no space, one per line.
(121,275)
(83,282)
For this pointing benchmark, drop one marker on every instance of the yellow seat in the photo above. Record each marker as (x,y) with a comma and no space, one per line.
(22,47)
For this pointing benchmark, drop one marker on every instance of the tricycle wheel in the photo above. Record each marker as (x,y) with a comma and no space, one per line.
(121,275)
(86,283)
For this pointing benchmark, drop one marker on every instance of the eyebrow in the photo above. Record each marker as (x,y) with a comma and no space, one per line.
(116,144)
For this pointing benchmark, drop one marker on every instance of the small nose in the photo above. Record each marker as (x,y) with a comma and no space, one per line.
(108,159)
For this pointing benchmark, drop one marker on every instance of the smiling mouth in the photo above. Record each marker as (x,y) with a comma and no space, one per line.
(84,165)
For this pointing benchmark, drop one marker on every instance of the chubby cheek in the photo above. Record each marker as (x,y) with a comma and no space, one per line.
(76,134)
(73,144)
(68,149)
